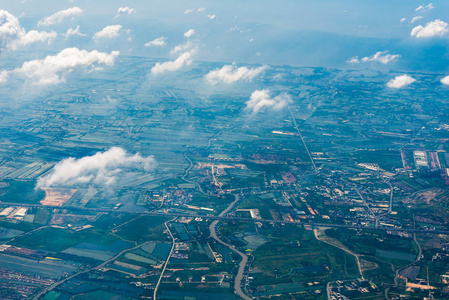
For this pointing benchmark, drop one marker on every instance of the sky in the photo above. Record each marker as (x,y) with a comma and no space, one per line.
(345,34)
(43,42)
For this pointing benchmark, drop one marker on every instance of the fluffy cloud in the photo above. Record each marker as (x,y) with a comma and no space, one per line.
(403,20)
(32,37)
(189,33)
(13,36)
(160,41)
(230,73)
(416,19)
(10,28)
(444,80)
(3,76)
(73,31)
(103,169)
(261,99)
(109,32)
(353,60)
(435,28)
(52,69)
(400,81)
(201,9)
(380,56)
(184,59)
(125,10)
(182,47)
(211,17)
(424,8)
(187,46)
(60,16)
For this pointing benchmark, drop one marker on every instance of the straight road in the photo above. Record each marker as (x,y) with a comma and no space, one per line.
(302,139)
(168,259)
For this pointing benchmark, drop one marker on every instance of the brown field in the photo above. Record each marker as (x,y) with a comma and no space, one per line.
(57,197)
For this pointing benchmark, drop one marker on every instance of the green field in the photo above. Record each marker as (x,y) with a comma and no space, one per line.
(263,205)
(143,229)
(367,242)
(42,216)
(57,239)
(109,221)
(295,250)
(21,192)
(139,258)
(15,224)
(386,159)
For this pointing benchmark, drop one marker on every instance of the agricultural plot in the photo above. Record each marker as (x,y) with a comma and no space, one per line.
(143,229)
(98,251)
(58,239)
(6,233)
(21,192)
(29,266)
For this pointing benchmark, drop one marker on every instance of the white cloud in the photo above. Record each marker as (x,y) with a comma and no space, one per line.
(73,31)
(10,28)
(182,47)
(32,37)
(125,10)
(230,73)
(238,29)
(61,15)
(109,32)
(160,41)
(13,36)
(435,28)
(211,17)
(400,81)
(403,20)
(53,69)
(187,46)
(261,99)
(184,59)
(444,80)
(103,169)
(416,19)
(382,57)
(353,60)
(191,10)
(3,76)
(424,8)
(189,33)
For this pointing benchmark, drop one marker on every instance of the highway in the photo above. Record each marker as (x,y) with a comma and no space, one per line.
(302,139)
(167,261)
(231,218)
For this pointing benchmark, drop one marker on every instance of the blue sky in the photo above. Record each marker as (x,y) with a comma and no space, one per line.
(293,32)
